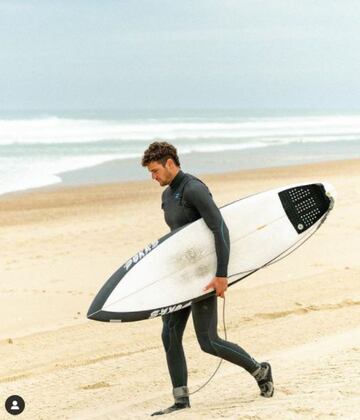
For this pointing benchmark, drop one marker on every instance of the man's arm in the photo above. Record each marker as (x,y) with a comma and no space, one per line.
(198,196)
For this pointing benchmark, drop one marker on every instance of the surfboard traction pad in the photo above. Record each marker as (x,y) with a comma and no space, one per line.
(305,205)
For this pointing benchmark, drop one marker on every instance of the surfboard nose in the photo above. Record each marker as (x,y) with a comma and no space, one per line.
(95,311)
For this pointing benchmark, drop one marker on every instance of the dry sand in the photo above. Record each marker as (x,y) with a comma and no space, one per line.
(302,314)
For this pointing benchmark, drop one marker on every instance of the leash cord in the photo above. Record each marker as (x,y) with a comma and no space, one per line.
(282,256)
(221,360)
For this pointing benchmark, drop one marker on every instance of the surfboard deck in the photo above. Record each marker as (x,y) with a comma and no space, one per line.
(170,273)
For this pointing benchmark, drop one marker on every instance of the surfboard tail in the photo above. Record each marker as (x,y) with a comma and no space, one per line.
(331,194)
(306,204)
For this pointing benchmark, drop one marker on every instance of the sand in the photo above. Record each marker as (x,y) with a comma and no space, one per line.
(59,245)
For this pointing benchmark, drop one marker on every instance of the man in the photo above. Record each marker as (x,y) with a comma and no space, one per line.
(185,200)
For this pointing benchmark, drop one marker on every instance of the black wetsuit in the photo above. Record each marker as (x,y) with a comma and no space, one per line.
(186,200)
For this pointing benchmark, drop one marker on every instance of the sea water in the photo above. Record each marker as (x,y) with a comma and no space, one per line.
(36,148)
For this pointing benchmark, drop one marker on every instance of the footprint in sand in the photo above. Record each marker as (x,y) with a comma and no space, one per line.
(302,410)
(285,391)
(96,386)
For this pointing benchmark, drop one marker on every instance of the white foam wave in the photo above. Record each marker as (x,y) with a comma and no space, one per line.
(28,158)
(24,173)
(63,130)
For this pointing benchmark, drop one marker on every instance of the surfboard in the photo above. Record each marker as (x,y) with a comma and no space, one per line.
(171,272)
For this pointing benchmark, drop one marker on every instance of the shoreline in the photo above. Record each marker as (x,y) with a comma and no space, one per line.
(109,178)
(122,170)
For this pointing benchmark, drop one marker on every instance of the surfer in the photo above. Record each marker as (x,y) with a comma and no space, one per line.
(185,200)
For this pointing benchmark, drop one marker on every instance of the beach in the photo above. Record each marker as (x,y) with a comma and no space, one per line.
(59,245)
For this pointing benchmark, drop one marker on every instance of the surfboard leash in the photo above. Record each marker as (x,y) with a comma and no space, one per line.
(221,360)
(276,259)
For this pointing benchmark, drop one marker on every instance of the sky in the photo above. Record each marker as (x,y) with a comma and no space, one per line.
(166,54)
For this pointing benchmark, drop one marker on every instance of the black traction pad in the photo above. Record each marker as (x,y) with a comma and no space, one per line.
(305,205)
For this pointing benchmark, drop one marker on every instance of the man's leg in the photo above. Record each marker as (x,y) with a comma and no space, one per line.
(172,333)
(205,323)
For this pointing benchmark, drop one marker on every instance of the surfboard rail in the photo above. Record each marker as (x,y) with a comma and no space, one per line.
(169,274)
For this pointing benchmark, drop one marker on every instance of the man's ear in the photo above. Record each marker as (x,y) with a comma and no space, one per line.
(169,164)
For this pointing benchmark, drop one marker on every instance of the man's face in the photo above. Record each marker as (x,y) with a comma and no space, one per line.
(162,174)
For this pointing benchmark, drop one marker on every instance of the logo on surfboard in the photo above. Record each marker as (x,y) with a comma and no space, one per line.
(141,254)
(168,309)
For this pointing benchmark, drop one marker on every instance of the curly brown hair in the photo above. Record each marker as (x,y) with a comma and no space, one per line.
(160,151)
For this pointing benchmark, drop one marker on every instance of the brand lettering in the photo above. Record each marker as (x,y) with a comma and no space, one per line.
(128,264)
(168,310)
(141,254)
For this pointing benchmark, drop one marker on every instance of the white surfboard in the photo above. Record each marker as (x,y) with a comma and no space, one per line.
(170,273)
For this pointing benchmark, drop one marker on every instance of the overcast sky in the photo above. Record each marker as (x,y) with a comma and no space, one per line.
(151,54)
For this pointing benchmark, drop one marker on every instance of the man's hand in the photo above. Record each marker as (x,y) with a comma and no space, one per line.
(220,284)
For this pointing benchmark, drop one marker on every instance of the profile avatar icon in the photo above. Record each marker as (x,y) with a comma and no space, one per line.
(15,405)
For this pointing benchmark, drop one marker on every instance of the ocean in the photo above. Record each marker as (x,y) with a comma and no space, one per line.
(40,150)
